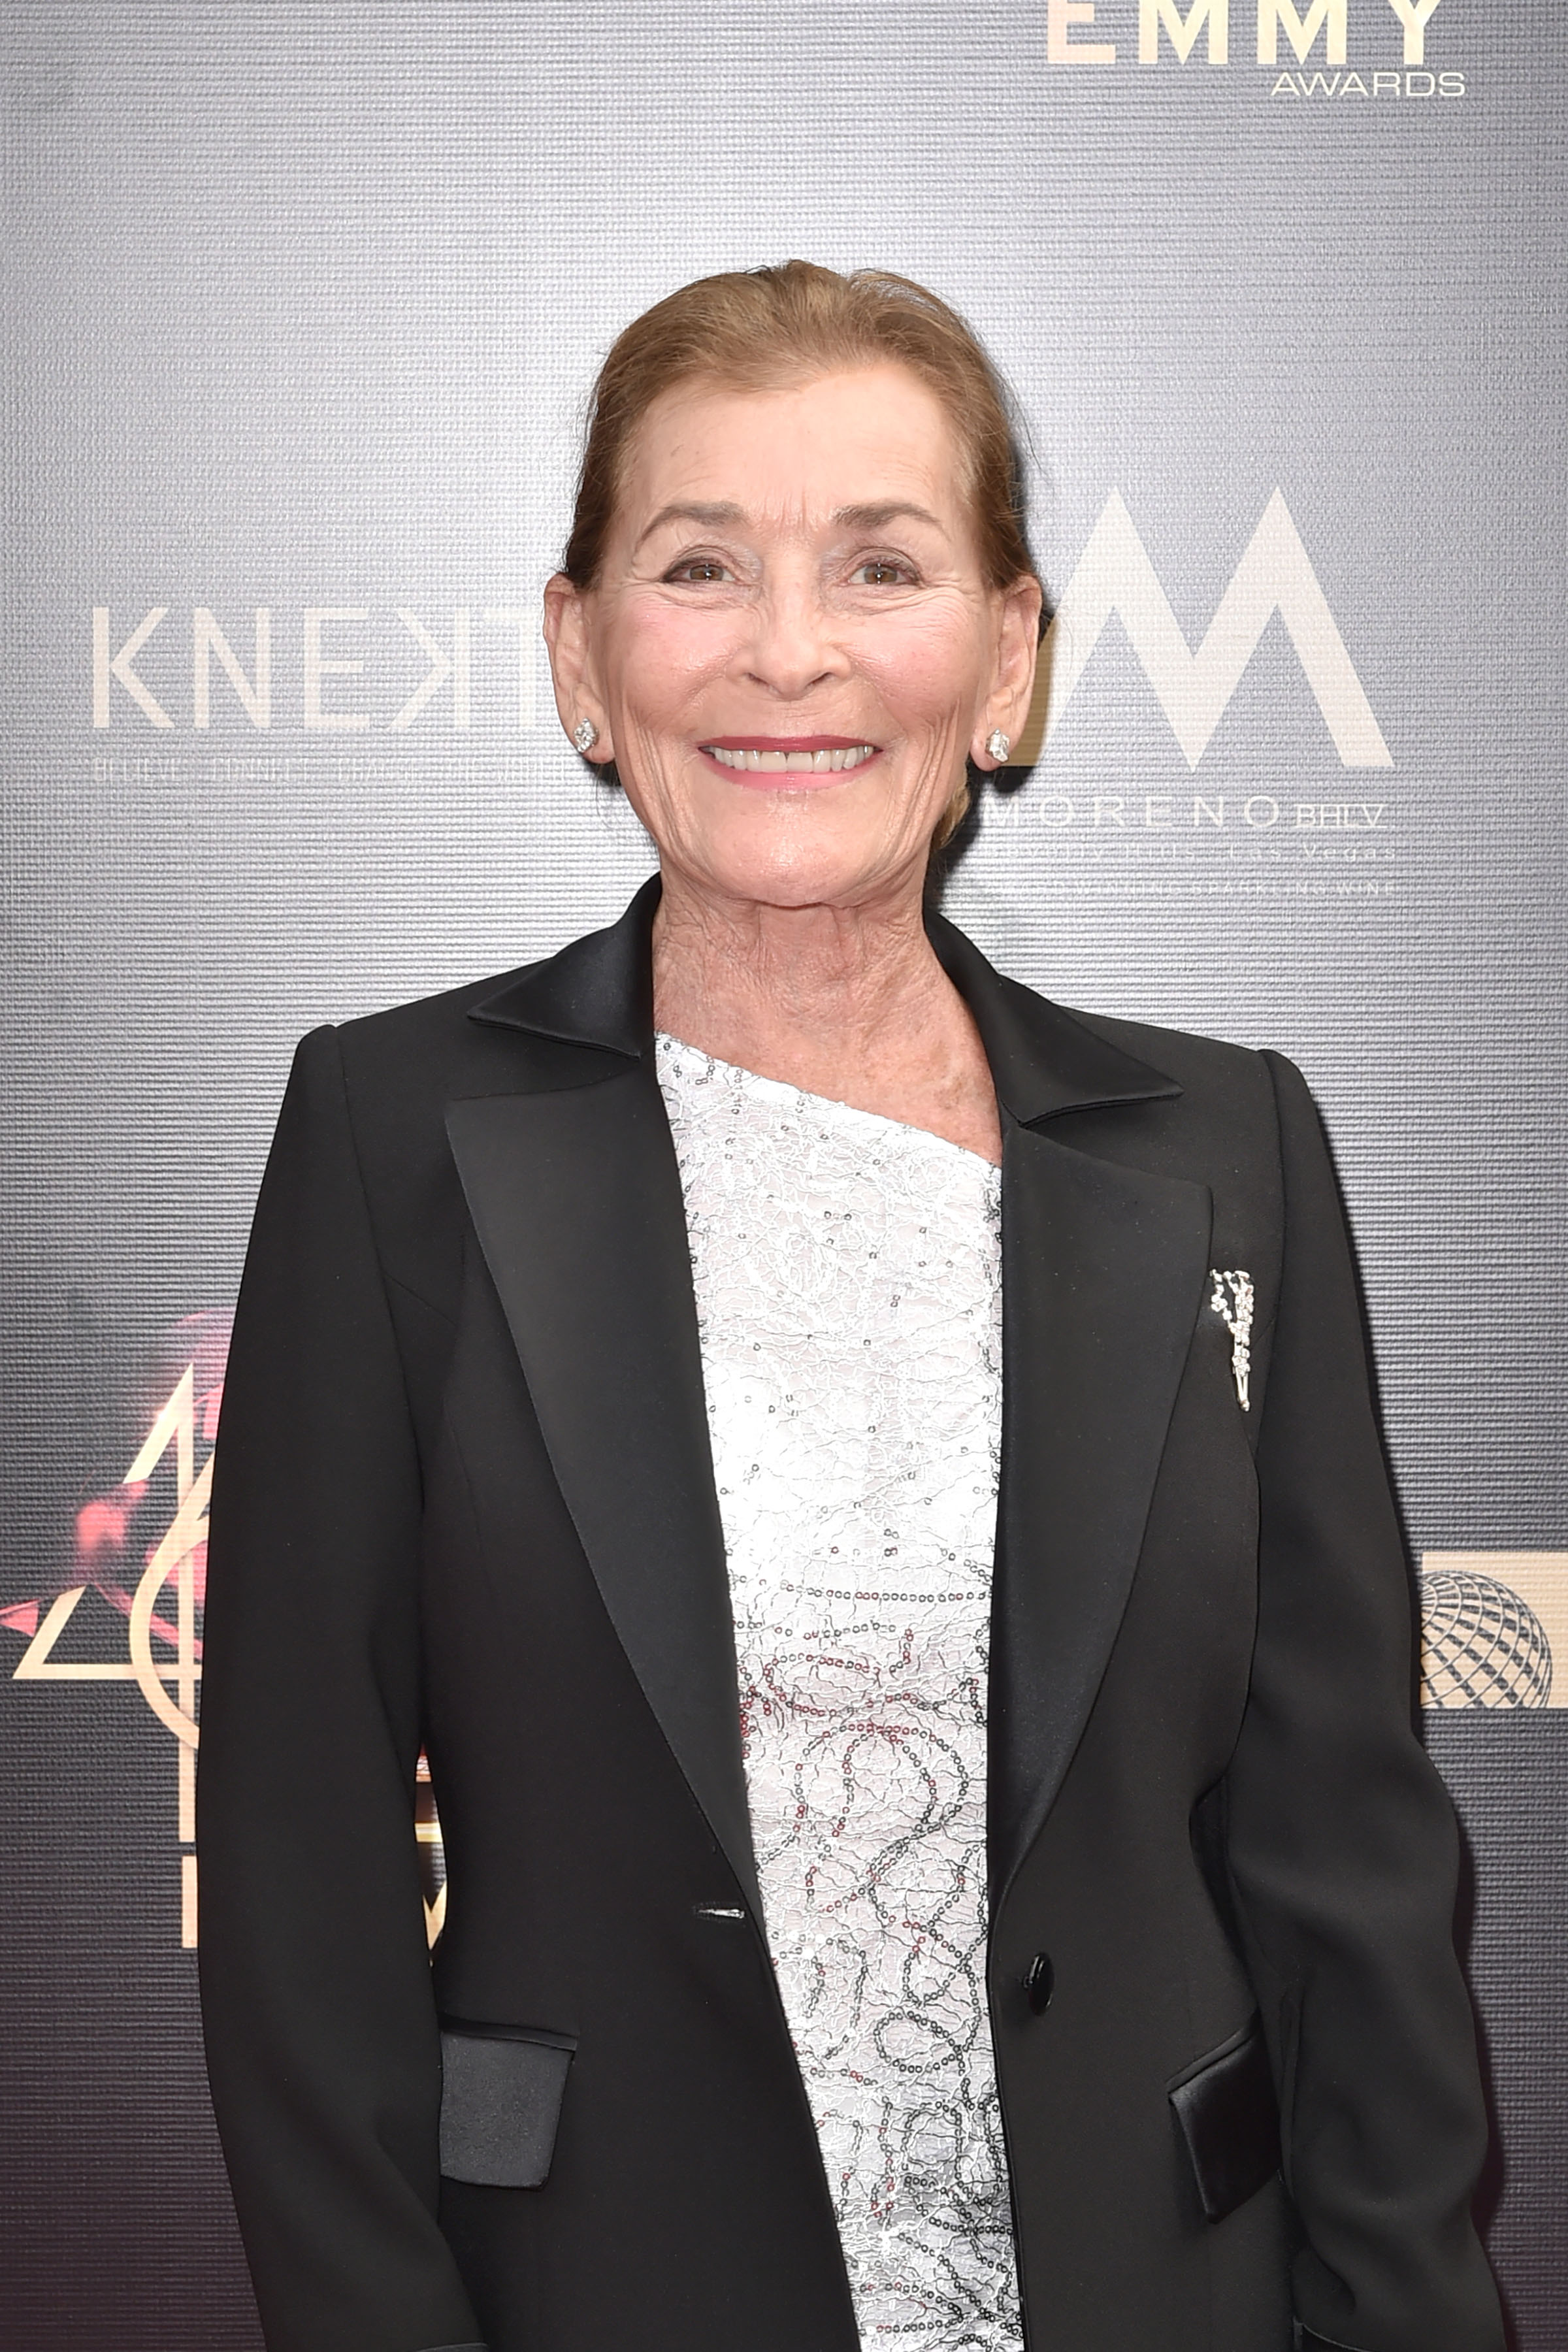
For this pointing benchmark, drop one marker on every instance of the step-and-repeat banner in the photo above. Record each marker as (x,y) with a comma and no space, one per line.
(302,304)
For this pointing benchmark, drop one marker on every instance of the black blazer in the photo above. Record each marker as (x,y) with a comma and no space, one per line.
(464,1499)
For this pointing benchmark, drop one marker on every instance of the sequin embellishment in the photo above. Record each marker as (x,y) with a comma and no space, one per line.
(848,1281)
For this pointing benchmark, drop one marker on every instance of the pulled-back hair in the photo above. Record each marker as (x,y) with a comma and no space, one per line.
(758,330)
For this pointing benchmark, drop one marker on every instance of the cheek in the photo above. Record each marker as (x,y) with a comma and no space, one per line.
(660,657)
(926,667)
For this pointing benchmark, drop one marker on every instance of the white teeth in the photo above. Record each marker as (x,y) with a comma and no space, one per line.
(792,764)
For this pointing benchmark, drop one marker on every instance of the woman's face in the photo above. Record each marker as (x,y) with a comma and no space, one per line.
(792,647)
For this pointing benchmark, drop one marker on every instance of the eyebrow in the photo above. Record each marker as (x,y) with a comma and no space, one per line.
(724,512)
(718,512)
(873,517)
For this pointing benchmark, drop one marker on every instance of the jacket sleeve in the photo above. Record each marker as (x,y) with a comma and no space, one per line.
(1343,1845)
(321,2038)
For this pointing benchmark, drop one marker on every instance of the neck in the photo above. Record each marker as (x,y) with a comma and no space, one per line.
(808,980)
(849,1002)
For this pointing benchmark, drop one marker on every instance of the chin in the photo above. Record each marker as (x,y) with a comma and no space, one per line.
(795,874)
(807,860)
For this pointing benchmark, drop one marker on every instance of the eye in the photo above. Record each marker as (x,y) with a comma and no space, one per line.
(698,567)
(881,572)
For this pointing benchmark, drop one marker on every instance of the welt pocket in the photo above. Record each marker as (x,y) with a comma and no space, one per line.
(1225,2108)
(501,2088)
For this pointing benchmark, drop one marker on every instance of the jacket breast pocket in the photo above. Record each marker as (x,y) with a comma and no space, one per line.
(1229,2121)
(501,2087)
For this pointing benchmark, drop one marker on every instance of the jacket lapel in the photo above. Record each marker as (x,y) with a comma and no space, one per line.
(575,1197)
(1103,1271)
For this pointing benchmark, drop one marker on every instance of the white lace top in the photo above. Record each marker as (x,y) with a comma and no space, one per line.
(847,1281)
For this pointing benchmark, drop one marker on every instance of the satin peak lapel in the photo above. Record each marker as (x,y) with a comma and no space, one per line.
(1104,1271)
(576,1200)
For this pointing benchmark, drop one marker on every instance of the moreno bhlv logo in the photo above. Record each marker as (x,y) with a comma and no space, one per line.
(1115,576)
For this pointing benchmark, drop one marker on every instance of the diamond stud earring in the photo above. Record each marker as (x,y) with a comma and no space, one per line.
(998,745)
(585,735)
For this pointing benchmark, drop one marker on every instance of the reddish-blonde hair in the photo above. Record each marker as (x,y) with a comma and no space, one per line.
(758,328)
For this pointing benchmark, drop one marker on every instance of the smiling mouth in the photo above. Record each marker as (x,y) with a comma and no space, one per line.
(765,759)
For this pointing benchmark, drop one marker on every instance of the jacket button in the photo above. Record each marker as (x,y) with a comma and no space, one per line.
(1039,1982)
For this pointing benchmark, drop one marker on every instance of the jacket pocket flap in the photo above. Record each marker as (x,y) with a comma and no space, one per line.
(1229,2120)
(501,2103)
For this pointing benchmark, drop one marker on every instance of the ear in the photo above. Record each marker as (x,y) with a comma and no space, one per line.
(569,640)
(1013,682)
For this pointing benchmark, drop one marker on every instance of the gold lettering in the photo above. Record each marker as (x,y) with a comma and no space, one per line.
(1326,16)
(1415,15)
(1184,30)
(1061,49)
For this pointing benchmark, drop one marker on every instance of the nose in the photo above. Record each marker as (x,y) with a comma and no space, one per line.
(791,647)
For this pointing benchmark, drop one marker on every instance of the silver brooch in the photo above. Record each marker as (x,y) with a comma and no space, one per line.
(1231,1300)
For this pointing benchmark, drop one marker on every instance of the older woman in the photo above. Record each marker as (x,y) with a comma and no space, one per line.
(864,1484)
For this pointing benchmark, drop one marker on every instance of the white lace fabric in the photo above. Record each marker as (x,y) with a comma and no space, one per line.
(848,1281)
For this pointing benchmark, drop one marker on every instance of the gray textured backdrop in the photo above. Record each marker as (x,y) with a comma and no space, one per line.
(302,304)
